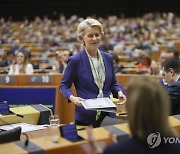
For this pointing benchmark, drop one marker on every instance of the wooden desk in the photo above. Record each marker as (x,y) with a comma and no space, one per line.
(64,109)
(50,141)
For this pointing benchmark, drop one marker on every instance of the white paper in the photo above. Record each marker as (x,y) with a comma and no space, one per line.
(96,102)
(24,127)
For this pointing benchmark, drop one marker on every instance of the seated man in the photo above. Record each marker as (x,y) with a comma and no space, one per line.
(172,77)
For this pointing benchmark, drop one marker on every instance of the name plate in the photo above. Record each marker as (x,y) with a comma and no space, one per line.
(40,79)
(7,79)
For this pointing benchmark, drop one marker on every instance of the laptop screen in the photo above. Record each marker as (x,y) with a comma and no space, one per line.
(69,131)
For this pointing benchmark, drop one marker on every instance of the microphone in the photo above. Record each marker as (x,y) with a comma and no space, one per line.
(19,115)
(6,123)
(26,143)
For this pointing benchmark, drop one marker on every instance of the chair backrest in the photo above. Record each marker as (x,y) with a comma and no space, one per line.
(111,121)
(10,135)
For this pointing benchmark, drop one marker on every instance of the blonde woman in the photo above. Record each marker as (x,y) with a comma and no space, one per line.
(148,108)
(22,66)
(92,73)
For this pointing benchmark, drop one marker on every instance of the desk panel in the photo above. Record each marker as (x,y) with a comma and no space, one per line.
(51,142)
(64,109)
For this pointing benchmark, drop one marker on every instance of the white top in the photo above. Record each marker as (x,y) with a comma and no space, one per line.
(14,69)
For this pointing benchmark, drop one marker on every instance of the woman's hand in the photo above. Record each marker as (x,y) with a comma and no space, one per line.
(96,146)
(76,100)
(121,97)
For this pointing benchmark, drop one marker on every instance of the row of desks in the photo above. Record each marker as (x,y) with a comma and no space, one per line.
(48,141)
(64,109)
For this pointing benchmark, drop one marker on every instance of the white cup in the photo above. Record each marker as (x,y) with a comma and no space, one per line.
(54,120)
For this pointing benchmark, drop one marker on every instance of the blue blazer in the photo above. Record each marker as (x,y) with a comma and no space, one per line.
(78,71)
(133,145)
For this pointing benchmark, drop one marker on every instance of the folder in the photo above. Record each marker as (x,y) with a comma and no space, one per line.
(99,104)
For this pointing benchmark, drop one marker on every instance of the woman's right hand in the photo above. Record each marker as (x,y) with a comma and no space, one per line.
(76,100)
(96,146)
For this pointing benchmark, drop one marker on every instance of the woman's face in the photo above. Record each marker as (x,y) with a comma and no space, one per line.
(92,38)
(20,58)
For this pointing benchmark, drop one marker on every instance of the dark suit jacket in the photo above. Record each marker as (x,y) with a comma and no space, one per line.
(78,71)
(4,63)
(133,145)
(174,95)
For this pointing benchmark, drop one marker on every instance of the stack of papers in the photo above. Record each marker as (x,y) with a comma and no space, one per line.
(99,104)
(24,127)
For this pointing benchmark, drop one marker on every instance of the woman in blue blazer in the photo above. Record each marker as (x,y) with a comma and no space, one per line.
(92,73)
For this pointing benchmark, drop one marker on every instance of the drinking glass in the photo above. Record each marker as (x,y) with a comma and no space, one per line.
(54,120)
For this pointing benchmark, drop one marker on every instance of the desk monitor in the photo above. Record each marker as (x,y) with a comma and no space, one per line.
(69,132)
(4,108)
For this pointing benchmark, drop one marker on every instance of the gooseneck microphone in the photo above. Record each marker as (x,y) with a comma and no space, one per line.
(19,115)
(27,139)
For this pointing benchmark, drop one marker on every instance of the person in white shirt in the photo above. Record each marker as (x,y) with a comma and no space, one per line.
(60,65)
(22,66)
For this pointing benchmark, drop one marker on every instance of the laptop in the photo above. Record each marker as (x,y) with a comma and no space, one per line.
(69,132)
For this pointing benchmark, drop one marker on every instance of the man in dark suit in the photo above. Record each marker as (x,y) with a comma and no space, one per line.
(172,77)
(8,60)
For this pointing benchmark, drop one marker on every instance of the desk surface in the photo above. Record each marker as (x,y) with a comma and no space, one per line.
(49,140)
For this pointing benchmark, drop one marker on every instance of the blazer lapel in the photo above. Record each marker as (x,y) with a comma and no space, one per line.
(105,65)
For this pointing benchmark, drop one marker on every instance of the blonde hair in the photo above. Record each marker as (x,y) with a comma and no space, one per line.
(23,69)
(148,108)
(90,22)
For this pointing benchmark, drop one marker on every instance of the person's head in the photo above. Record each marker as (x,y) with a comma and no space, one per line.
(89,32)
(10,57)
(66,55)
(60,57)
(171,70)
(148,108)
(145,60)
(162,58)
(21,58)
(165,55)
(115,61)
(17,42)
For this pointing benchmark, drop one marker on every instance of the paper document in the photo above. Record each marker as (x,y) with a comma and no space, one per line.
(24,127)
(100,104)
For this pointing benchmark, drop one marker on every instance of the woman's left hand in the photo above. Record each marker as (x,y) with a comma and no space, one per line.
(121,97)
